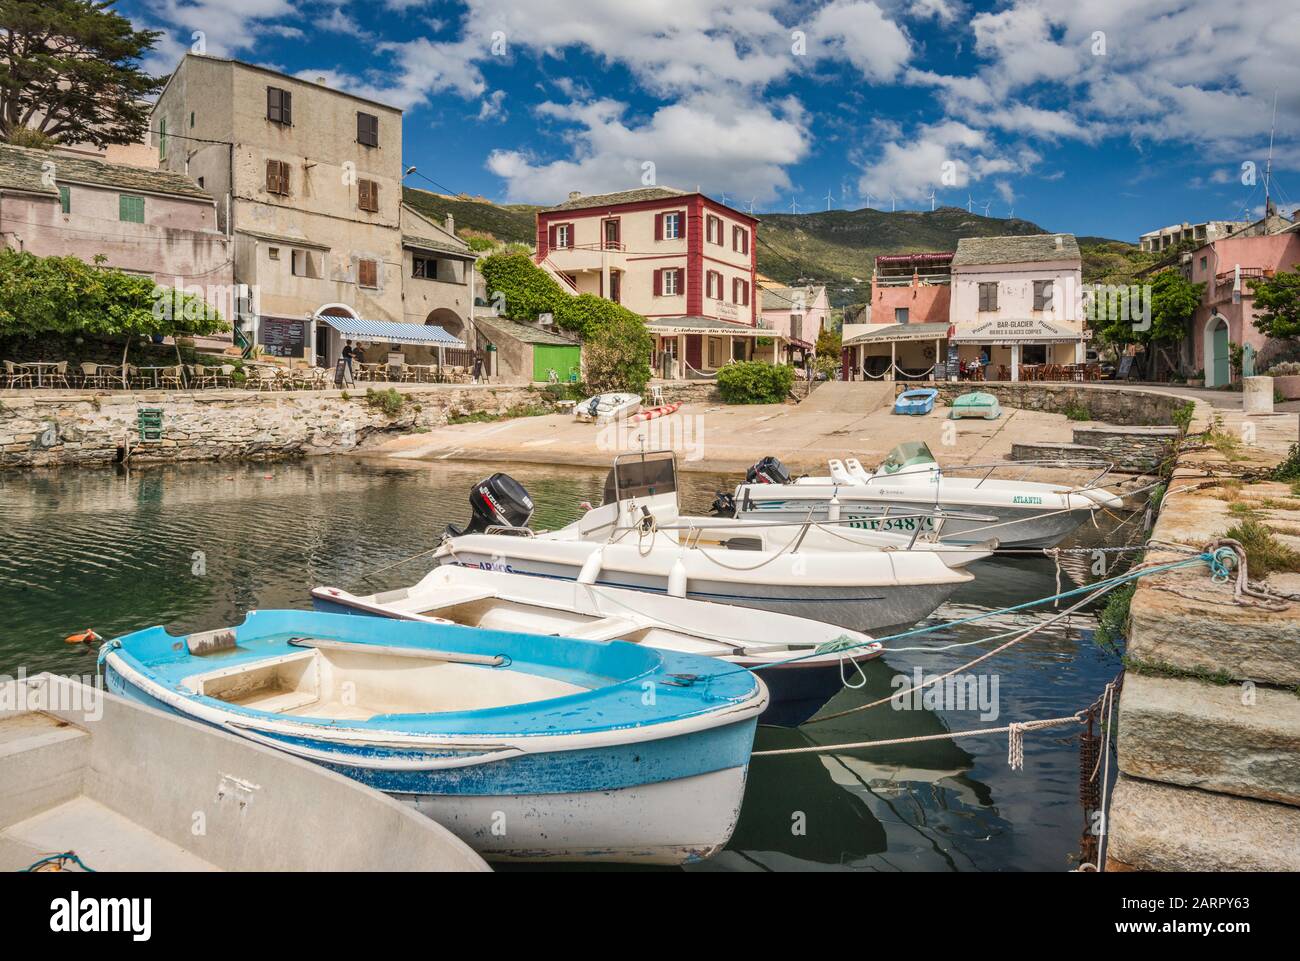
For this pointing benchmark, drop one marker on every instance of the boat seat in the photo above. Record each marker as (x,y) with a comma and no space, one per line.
(856,470)
(838,474)
(607,628)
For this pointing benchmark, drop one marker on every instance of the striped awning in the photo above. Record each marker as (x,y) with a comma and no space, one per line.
(360,329)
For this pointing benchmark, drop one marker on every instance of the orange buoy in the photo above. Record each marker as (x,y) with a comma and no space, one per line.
(85,637)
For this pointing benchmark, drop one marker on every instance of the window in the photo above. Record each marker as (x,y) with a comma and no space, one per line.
(302,263)
(740,240)
(130,209)
(200,182)
(273,253)
(669,226)
(277,177)
(426,267)
(191,119)
(713,285)
(162,138)
(988,296)
(562,236)
(713,230)
(367,129)
(1205,263)
(65,200)
(368,195)
(279,106)
(668,282)
(740,292)
(611,233)
(717,352)
(368,273)
(901,314)
(1043,290)
(796,326)
(616,286)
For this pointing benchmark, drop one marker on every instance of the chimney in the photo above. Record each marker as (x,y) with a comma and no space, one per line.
(575,194)
(450,224)
(321,81)
(1060,242)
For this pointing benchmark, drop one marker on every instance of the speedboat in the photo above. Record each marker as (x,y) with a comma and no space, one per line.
(909,482)
(92,782)
(637,540)
(524,746)
(917,401)
(603,408)
(803,662)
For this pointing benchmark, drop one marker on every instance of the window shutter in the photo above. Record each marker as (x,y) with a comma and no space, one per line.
(272,177)
(659,229)
(286,106)
(659,280)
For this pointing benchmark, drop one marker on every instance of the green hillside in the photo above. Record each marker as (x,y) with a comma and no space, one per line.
(835,247)
(508,222)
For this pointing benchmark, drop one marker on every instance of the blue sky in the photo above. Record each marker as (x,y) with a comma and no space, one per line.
(1092,116)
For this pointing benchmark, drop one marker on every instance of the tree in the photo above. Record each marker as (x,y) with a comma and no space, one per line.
(617,355)
(1174,300)
(828,343)
(64,295)
(69,69)
(1277,304)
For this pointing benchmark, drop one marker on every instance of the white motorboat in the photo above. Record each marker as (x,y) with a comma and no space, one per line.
(604,408)
(621,544)
(803,662)
(897,495)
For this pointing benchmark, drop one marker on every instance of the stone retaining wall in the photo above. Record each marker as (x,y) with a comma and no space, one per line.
(1133,449)
(1114,405)
(58,428)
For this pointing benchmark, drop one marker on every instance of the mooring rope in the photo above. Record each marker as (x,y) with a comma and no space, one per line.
(1020,726)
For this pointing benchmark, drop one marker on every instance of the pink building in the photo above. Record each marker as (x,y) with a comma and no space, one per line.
(796,315)
(1227,311)
(159,224)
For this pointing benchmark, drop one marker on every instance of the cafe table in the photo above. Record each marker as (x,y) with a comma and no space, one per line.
(39,366)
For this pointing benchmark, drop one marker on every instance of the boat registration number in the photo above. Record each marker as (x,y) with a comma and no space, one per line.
(893,523)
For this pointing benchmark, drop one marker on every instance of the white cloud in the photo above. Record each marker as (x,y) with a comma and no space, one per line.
(492,107)
(716,144)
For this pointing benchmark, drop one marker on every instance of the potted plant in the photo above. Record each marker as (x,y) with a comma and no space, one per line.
(1197,378)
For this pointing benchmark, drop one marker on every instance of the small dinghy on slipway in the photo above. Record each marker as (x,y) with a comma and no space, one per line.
(604,408)
(92,782)
(620,544)
(803,662)
(524,746)
(1023,514)
(919,401)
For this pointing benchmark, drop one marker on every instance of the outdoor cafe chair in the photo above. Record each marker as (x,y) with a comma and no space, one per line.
(16,377)
(90,374)
(173,377)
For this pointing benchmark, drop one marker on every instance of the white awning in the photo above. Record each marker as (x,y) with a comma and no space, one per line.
(421,334)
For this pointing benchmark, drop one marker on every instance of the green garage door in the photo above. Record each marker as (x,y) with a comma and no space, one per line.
(566,361)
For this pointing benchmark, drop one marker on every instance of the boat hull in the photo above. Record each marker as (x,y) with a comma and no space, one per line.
(874,610)
(1013,527)
(678,798)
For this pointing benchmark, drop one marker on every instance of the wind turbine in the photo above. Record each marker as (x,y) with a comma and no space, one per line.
(794,206)
(987,205)
(871,201)
(829,198)
(751,205)
(931,200)
(970,203)
(893,201)
(724,198)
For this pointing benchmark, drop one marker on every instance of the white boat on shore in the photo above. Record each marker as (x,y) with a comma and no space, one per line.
(603,408)
(909,483)
(90,781)
(621,544)
(803,662)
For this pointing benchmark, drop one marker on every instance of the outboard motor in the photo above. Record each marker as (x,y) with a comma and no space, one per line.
(724,505)
(499,501)
(768,471)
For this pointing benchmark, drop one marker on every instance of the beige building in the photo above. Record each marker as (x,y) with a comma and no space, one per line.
(308,182)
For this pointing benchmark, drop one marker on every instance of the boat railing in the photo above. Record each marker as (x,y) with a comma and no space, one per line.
(511,531)
(1025,466)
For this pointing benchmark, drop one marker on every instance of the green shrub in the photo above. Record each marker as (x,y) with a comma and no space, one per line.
(1076,411)
(617,355)
(1182,416)
(1112,622)
(389,401)
(754,382)
(1289,469)
(1265,554)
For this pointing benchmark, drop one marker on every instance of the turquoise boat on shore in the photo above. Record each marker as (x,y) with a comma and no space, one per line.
(976,404)
(525,746)
(918,401)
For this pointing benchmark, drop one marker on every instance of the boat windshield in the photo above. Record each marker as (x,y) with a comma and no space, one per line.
(641,475)
(912,454)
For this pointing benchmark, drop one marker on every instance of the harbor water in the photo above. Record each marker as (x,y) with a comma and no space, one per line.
(194,547)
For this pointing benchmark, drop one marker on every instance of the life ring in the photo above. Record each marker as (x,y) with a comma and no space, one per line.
(84,637)
(928,352)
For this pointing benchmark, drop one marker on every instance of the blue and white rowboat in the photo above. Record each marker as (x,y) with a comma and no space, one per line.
(525,746)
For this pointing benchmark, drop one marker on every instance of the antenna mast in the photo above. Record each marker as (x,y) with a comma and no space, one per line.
(1268,166)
